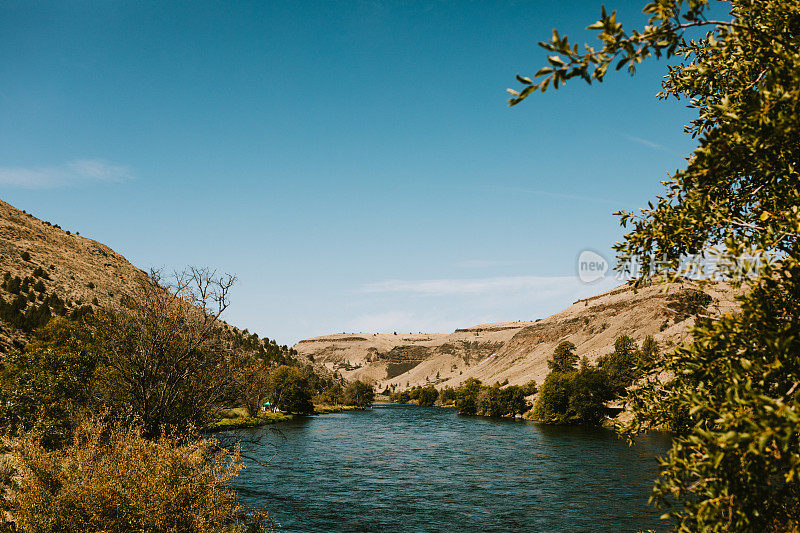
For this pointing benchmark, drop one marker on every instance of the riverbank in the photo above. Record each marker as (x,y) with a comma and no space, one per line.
(237,418)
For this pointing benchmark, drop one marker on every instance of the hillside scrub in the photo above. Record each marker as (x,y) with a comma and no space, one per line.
(110,477)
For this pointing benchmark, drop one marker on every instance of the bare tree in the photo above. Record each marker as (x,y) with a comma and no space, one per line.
(166,353)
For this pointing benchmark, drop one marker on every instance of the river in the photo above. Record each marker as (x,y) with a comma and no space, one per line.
(409,468)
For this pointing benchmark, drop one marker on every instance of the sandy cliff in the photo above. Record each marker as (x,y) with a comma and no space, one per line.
(518,351)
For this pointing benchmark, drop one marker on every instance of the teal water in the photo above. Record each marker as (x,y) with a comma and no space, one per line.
(410,468)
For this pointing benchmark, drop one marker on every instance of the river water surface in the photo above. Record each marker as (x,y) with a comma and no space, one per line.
(409,468)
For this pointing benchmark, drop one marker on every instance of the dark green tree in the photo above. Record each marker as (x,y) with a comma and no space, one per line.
(590,390)
(359,394)
(621,365)
(289,391)
(467,396)
(428,396)
(564,358)
(552,403)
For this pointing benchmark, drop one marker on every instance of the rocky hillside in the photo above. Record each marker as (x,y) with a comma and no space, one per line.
(518,351)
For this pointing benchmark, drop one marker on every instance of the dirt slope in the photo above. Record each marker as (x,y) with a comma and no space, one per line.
(518,351)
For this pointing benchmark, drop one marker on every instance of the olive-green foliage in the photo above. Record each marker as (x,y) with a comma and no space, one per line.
(473,398)
(564,358)
(251,381)
(552,403)
(621,365)
(590,390)
(428,395)
(530,388)
(358,394)
(579,396)
(576,397)
(500,401)
(467,396)
(28,318)
(734,405)
(110,478)
(447,395)
(48,385)
(402,397)
(289,390)
(331,395)
(733,398)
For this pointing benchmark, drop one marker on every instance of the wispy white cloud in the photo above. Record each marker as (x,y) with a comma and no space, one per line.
(483,263)
(649,144)
(75,172)
(437,287)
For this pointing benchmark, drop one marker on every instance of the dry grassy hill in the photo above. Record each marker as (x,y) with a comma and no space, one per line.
(80,271)
(46,270)
(518,351)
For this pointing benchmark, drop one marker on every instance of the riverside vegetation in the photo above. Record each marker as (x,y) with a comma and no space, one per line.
(570,394)
(101,410)
(731,395)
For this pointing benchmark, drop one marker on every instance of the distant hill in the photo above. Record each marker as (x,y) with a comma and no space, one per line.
(518,351)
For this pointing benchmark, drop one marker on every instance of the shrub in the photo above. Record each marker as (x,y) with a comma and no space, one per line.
(552,404)
(110,478)
(467,396)
(447,395)
(359,394)
(47,383)
(428,396)
(26,256)
(289,391)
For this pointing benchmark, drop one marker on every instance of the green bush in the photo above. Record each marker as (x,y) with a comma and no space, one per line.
(428,395)
(467,396)
(359,394)
(289,391)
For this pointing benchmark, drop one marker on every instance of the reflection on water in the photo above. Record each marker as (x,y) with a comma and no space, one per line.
(403,467)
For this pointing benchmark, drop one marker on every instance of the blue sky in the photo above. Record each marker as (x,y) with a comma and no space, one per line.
(353,163)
